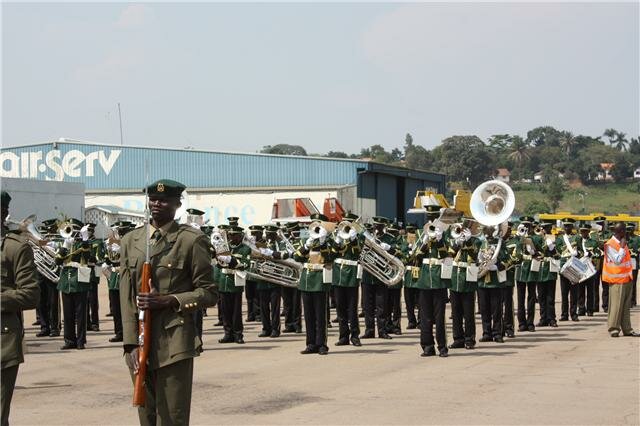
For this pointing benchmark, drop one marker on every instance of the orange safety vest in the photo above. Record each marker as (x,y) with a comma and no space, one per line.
(620,273)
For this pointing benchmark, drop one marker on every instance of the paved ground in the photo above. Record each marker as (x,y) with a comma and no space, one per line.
(574,374)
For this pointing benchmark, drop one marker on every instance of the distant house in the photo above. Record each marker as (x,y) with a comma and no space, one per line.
(502,175)
(605,173)
(636,173)
(537,177)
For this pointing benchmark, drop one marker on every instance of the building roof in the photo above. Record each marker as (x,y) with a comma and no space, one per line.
(503,172)
(117,168)
(111,209)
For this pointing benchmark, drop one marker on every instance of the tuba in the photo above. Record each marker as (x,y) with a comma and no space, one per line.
(382,265)
(491,204)
(44,256)
(284,272)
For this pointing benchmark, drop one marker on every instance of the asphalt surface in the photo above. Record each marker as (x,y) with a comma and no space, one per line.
(574,374)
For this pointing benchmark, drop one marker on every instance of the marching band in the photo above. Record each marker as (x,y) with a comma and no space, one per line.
(473,263)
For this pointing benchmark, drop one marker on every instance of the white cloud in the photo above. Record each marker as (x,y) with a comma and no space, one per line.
(134,15)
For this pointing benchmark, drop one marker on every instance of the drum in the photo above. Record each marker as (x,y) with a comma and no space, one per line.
(578,270)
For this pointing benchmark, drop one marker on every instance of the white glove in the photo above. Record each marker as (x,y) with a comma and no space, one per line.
(195,225)
(531,250)
(352,234)
(115,248)
(551,244)
(438,234)
(290,252)
(52,245)
(104,266)
(84,232)
(493,268)
(322,233)
(385,246)
(309,243)
(466,233)
(68,243)
(338,240)
(225,259)
(266,252)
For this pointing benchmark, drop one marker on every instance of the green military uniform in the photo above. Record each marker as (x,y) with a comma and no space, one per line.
(269,293)
(410,279)
(490,290)
(568,290)
(427,267)
(590,247)
(394,292)
(634,247)
(547,277)
(601,235)
(98,255)
(513,245)
(74,285)
(463,292)
(112,264)
(345,281)
(526,280)
(181,268)
(20,291)
(314,285)
(231,285)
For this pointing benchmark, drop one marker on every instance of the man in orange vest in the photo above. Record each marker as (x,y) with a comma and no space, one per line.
(617,272)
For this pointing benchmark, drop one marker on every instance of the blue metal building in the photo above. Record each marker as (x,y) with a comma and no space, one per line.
(115,169)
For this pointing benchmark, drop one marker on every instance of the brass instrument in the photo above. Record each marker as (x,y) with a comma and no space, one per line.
(344,228)
(284,272)
(44,256)
(382,265)
(68,230)
(220,242)
(285,240)
(492,203)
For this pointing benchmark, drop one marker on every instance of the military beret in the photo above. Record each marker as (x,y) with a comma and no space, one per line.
(599,219)
(235,230)
(631,226)
(195,212)
(206,229)
(380,220)
(76,222)
(122,223)
(165,188)
(585,226)
(292,225)
(256,228)
(5,198)
(319,216)
(611,225)
(224,226)
(368,226)
(568,221)
(233,220)
(91,225)
(526,219)
(393,226)
(411,227)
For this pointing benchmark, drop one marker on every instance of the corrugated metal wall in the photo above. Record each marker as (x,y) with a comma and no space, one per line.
(122,168)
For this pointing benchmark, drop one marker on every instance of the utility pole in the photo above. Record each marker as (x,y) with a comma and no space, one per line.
(120,117)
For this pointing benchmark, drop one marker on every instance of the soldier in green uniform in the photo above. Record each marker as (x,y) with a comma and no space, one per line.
(394,292)
(75,256)
(217,274)
(411,292)
(315,283)
(426,272)
(291,297)
(181,281)
(97,257)
(590,248)
(491,284)
(346,252)
(513,245)
(269,293)
(547,277)
(464,283)
(634,248)
(526,281)
(251,286)
(49,295)
(601,235)
(111,269)
(568,245)
(374,292)
(231,284)
(20,292)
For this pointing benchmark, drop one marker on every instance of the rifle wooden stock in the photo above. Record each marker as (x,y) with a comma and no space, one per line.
(144,341)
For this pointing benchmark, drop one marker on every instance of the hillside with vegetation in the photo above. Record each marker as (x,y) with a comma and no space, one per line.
(550,170)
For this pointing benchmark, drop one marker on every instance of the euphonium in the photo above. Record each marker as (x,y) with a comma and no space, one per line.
(382,265)
(284,272)
(44,256)
(344,227)
(219,241)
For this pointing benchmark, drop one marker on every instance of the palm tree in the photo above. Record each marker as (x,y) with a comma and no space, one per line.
(611,135)
(519,151)
(567,142)
(621,141)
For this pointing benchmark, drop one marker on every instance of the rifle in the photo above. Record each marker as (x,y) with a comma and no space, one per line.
(144,317)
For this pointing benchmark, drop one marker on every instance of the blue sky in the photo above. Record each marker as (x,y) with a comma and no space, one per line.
(324,76)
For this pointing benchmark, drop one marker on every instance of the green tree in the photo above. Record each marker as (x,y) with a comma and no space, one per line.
(284,149)
(621,141)
(610,134)
(519,151)
(567,142)
(553,186)
(337,154)
(622,168)
(544,135)
(419,158)
(535,207)
(464,159)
